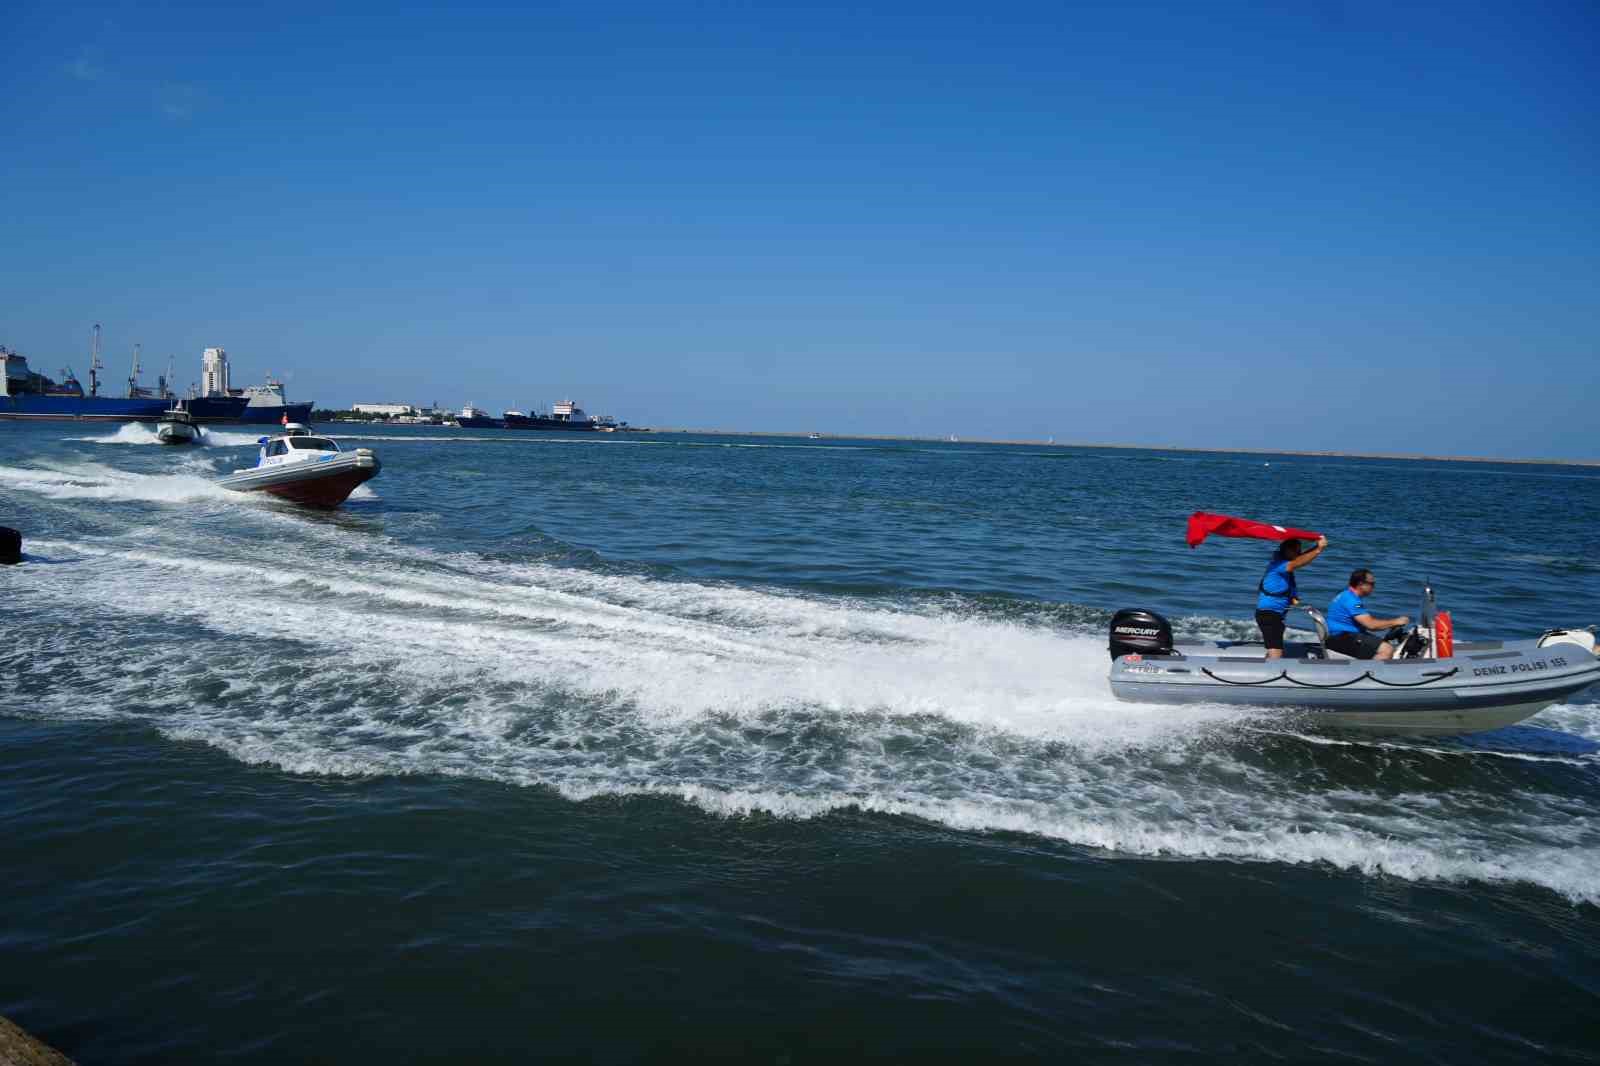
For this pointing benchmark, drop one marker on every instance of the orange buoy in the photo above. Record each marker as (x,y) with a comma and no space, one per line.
(1444,636)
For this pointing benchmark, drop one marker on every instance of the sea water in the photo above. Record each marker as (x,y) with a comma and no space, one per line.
(633,746)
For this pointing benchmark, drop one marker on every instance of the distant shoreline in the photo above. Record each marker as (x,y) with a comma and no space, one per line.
(1142,447)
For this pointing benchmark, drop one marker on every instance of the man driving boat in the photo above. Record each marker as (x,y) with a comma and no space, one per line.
(1350,625)
(1279,592)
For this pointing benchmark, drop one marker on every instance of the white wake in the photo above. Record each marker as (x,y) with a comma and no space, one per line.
(344,655)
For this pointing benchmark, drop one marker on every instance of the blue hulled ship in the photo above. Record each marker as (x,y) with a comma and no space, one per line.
(26,394)
(258,405)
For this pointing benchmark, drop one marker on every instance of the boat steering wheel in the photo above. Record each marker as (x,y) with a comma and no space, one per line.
(1408,642)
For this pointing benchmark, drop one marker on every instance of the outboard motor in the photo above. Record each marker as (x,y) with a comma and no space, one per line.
(1139,632)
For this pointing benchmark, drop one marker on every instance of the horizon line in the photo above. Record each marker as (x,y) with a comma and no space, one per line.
(1407,456)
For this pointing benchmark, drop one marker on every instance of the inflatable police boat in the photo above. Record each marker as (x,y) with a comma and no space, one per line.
(1433,686)
(307,469)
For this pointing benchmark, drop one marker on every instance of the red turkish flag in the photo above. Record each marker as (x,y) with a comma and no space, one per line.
(1203,524)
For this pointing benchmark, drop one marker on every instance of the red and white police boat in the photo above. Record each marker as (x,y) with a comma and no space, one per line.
(300,466)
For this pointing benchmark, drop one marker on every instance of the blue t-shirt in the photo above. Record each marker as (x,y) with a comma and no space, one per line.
(1277,588)
(1342,613)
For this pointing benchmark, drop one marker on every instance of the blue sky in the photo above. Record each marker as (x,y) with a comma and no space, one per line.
(1328,225)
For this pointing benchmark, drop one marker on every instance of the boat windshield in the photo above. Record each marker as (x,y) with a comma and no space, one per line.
(315,444)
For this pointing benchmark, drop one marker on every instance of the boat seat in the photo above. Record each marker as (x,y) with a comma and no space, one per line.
(1321,625)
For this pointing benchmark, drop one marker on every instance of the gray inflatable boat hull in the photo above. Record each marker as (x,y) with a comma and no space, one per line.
(1486,685)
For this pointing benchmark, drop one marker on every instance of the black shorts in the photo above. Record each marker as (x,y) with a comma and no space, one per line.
(1272,624)
(1356,645)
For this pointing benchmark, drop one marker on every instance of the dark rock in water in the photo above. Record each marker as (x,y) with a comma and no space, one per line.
(10,545)
(17,1048)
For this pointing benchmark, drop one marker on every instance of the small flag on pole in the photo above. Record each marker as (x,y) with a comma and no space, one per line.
(286,418)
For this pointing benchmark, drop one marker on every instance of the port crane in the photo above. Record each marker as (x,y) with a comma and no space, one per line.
(95,365)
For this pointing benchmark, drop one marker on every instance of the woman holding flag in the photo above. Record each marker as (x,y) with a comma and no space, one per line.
(1277,590)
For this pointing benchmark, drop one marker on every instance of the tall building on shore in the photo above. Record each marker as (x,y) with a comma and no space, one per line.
(214,372)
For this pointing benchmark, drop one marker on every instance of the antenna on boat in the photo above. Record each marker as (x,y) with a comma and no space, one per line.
(95,366)
(1426,618)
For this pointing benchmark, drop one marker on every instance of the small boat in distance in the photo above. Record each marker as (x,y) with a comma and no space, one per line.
(177,427)
(304,468)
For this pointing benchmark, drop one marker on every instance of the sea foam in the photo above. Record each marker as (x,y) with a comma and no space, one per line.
(364,656)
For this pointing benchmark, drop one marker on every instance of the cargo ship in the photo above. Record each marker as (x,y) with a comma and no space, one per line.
(476,418)
(25,393)
(257,405)
(564,416)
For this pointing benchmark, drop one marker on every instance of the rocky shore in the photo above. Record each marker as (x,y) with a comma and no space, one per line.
(18,1048)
